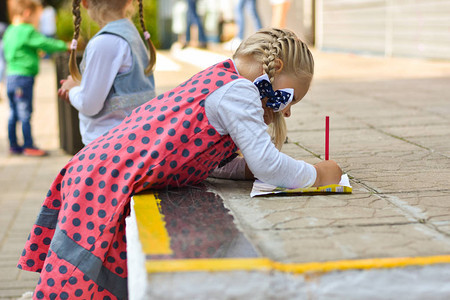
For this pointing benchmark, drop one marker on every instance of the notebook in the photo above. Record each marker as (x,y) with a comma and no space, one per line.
(260,188)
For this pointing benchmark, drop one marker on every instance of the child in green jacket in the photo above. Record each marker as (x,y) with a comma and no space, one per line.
(21,49)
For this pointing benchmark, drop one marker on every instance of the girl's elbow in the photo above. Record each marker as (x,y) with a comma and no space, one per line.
(89,112)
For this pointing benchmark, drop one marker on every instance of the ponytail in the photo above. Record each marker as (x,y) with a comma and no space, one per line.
(151,47)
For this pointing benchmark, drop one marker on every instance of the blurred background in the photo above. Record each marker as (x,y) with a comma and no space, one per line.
(411,28)
(418,29)
(382,73)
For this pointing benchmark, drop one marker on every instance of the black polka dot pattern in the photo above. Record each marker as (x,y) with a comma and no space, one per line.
(167,142)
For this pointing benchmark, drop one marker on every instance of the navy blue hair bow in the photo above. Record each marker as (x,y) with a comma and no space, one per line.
(277,100)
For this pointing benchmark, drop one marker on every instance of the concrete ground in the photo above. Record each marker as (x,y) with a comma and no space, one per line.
(390,131)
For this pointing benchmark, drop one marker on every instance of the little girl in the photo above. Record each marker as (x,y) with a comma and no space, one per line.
(178,138)
(117,70)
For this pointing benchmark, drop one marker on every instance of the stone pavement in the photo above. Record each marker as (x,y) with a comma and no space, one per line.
(390,131)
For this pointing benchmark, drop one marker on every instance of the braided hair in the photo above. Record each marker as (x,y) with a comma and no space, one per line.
(267,46)
(151,47)
(73,66)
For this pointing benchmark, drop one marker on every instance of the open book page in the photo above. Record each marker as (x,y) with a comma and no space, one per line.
(261,188)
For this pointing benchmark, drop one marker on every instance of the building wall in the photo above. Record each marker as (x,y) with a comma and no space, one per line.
(414,28)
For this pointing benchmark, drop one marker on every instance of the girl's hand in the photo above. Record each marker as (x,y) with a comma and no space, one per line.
(328,172)
(69,83)
(62,93)
(66,86)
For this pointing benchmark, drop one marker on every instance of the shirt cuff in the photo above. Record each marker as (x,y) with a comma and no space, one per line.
(311,170)
(73,93)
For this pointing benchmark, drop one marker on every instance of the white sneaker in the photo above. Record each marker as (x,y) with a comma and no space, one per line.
(26,296)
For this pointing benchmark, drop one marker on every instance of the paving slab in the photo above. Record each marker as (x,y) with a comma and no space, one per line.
(364,214)
(335,243)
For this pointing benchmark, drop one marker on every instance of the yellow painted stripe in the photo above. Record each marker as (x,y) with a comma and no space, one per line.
(208,265)
(365,264)
(151,225)
(261,264)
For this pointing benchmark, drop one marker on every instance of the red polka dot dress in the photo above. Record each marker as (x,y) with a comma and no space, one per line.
(78,242)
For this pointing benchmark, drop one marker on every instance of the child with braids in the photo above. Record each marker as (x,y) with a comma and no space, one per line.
(178,138)
(117,70)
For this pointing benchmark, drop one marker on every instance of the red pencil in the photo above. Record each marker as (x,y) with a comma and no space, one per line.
(327,137)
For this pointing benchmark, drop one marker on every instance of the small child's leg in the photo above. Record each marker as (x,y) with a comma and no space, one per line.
(13,116)
(24,98)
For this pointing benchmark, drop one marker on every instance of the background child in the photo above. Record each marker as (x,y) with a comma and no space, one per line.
(192,18)
(47,22)
(280,10)
(21,44)
(176,139)
(240,17)
(117,69)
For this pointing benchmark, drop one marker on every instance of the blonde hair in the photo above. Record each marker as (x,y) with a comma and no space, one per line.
(268,45)
(98,9)
(18,7)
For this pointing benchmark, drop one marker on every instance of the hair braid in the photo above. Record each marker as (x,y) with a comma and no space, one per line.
(73,66)
(267,46)
(271,53)
(151,47)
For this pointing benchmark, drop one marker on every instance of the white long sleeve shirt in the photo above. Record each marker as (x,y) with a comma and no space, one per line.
(235,109)
(107,55)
